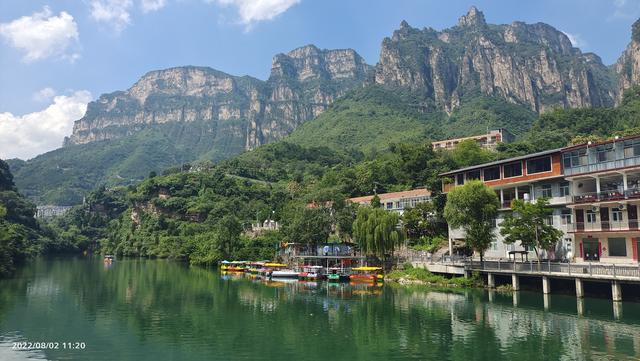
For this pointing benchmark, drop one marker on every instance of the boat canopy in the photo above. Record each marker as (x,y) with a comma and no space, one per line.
(275,265)
(367,268)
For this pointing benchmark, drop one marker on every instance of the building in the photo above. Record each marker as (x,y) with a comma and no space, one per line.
(51,211)
(488,141)
(397,201)
(594,189)
(527,177)
(604,180)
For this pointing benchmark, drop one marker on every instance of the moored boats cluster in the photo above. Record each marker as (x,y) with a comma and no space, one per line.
(272,270)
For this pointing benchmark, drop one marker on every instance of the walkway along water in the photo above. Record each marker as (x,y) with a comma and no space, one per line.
(615,274)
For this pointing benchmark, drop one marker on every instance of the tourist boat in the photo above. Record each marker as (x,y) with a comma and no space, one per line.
(108,258)
(311,272)
(255,267)
(233,266)
(366,274)
(333,274)
(279,270)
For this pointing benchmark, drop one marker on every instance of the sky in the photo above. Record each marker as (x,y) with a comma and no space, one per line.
(56,56)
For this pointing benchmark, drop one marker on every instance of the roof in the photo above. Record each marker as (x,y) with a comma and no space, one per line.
(420,192)
(593,144)
(503,161)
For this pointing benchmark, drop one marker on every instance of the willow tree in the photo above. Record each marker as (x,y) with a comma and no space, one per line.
(377,231)
(473,207)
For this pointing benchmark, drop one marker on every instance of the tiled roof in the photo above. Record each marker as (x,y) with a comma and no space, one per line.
(421,192)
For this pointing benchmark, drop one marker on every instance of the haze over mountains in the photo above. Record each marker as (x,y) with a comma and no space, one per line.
(427,84)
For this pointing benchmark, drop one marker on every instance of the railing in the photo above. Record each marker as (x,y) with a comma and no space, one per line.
(602,226)
(568,269)
(600,166)
(444,259)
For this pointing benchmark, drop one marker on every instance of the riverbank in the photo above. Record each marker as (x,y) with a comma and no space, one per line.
(419,276)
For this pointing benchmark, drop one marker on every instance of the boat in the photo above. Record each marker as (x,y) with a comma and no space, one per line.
(255,267)
(108,258)
(233,266)
(311,272)
(279,270)
(366,274)
(333,274)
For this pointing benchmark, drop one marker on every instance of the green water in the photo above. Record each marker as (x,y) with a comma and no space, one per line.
(161,310)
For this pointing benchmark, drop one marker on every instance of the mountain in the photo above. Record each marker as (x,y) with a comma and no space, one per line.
(534,65)
(627,68)
(426,85)
(241,112)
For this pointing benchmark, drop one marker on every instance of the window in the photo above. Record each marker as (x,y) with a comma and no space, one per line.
(565,217)
(539,165)
(512,169)
(474,174)
(459,179)
(546,191)
(549,220)
(617,247)
(605,153)
(389,205)
(574,159)
(632,148)
(591,216)
(564,189)
(616,215)
(492,173)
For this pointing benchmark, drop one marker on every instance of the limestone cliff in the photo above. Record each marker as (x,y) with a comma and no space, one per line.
(242,110)
(627,68)
(530,64)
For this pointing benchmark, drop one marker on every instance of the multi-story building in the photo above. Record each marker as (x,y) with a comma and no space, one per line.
(594,189)
(527,177)
(489,140)
(604,180)
(397,201)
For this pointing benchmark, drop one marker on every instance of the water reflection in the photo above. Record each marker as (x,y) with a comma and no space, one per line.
(157,310)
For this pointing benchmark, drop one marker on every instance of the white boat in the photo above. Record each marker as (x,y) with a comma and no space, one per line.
(311,272)
(279,270)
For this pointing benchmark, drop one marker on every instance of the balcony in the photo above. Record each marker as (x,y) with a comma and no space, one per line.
(607,196)
(606,226)
(603,166)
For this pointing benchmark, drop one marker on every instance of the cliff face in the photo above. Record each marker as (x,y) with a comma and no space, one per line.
(627,68)
(239,109)
(530,64)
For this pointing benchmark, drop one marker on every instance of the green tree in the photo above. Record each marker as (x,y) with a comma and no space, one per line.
(377,231)
(422,221)
(527,224)
(309,226)
(473,207)
(469,152)
(375,202)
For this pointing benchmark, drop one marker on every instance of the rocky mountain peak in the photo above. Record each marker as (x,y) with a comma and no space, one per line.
(474,17)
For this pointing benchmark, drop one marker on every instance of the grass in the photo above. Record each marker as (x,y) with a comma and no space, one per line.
(423,276)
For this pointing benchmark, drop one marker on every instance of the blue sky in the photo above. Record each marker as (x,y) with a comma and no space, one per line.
(63,53)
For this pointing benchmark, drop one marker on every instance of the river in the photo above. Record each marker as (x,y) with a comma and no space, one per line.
(80,309)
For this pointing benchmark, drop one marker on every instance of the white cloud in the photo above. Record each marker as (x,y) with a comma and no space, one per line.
(115,13)
(42,35)
(252,11)
(44,94)
(576,40)
(25,136)
(625,9)
(152,5)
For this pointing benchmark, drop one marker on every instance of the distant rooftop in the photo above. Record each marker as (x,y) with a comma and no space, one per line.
(420,192)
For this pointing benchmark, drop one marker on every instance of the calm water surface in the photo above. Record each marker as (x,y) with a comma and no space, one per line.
(161,310)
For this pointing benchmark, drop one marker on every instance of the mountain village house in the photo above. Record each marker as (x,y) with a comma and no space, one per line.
(594,190)
(397,201)
(488,141)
